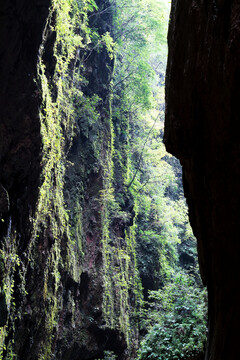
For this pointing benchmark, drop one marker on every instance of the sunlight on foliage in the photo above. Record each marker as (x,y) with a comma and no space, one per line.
(174,316)
(177,321)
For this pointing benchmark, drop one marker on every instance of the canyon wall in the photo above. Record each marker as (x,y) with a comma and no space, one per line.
(68,280)
(202,130)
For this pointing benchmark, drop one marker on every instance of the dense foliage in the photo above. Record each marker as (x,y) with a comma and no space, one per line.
(173,319)
(177,321)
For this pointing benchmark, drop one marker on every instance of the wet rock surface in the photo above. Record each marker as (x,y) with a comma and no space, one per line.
(202,130)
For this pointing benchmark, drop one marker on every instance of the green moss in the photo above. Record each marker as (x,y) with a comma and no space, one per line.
(57,243)
(122,287)
(9,314)
(66,113)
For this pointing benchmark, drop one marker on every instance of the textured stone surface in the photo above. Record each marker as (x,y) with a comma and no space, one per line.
(202,130)
(21,27)
(56,306)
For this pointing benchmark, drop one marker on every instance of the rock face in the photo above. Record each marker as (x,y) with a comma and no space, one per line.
(22,25)
(59,252)
(202,130)
(21,35)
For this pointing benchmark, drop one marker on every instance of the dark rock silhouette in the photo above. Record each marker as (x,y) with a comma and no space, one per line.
(202,130)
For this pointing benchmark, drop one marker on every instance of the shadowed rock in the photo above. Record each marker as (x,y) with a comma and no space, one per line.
(202,130)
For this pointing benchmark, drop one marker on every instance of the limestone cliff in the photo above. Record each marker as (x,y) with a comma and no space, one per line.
(67,272)
(202,127)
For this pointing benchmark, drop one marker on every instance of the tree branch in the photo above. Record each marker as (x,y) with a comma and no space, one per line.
(141,155)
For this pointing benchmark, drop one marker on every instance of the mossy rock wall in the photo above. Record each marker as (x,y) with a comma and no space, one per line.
(68,276)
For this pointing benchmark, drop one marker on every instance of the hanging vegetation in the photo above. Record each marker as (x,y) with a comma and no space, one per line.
(109,268)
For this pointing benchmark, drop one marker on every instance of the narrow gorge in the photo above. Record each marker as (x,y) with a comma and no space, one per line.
(97,256)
